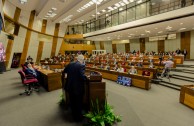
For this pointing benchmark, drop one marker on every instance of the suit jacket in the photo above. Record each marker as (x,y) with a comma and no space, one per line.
(75,78)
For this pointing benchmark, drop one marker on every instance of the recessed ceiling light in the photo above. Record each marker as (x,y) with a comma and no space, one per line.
(131,0)
(160,32)
(117,5)
(142,34)
(139,1)
(126,1)
(168,27)
(181,23)
(53,8)
(156,28)
(103,10)
(182,29)
(120,9)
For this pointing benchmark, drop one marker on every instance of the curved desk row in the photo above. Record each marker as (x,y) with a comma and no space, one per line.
(137,80)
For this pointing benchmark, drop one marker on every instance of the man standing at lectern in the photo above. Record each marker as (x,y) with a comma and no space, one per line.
(75,86)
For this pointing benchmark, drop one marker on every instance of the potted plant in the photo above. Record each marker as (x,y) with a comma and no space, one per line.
(101,115)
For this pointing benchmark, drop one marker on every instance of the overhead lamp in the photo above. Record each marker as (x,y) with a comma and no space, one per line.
(126,1)
(23,1)
(103,10)
(97,1)
(53,8)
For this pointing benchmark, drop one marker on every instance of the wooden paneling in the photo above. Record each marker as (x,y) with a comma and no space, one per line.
(127,47)
(76,47)
(55,39)
(44,25)
(101,45)
(114,48)
(39,53)
(187,95)
(3,2)
(8,51)
(186,42)
(27,39)
(142,44)
(75,36)
(17,14)
(161,46)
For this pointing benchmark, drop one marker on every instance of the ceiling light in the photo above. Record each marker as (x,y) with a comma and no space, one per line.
(131,0)
(160,32)
(182,29)
(53,14)
(115,8)
(181,23)
(48,14)
(110,8)
(126,1)
(120,9)
(142,34)
(103,10)
(122,4)
(117,5)
(98,12)
(169,27)
(50,11)
(53,8)
(129,36)
(156,28)
(23,1)
(139,1)
(93,15)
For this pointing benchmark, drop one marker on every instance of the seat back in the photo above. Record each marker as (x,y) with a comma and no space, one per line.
(22,75)
(23,67)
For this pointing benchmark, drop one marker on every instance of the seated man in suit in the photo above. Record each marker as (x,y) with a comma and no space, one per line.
(30,70)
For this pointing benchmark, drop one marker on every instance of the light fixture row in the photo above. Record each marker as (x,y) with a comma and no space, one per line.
(51,13)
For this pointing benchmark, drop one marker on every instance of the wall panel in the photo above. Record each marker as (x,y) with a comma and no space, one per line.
(120,48)
(173,44)
(97,44)
(46,50)
(37,24)
(50,28)
(59,42)
(24,17)
(108,46)
(151,46)
(33,46)
(192,46)
(9,9)
(134,45)
(3,39)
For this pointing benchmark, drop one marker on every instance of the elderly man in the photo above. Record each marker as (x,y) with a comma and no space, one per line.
(168,65)
(75,86)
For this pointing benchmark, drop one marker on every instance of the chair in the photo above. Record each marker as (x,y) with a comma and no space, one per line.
(28,81)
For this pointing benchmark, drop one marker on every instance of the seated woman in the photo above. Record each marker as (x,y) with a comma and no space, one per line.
(132,70)
(120,69)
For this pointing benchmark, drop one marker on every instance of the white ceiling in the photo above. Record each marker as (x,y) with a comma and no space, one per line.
(70,7)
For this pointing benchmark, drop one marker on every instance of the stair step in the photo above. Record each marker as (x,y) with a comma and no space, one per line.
(170,83)
(169,86)
(181,78)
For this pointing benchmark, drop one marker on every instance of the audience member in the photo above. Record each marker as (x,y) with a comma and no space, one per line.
(132,70)
(120,69)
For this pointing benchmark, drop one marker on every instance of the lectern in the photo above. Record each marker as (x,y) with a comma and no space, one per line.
(94,89)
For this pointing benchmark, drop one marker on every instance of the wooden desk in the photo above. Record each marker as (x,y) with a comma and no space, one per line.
(54,66)
(137,80)
(187,95)
(50,80)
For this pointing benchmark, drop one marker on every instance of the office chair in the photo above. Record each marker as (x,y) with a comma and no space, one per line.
(28,81)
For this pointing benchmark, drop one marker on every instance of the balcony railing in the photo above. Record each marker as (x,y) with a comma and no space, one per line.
(131,12)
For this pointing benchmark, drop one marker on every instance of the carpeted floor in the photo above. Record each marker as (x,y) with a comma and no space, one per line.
(157,107)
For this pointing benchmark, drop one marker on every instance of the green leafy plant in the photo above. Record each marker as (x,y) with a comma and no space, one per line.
(62,99)
(101,115)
